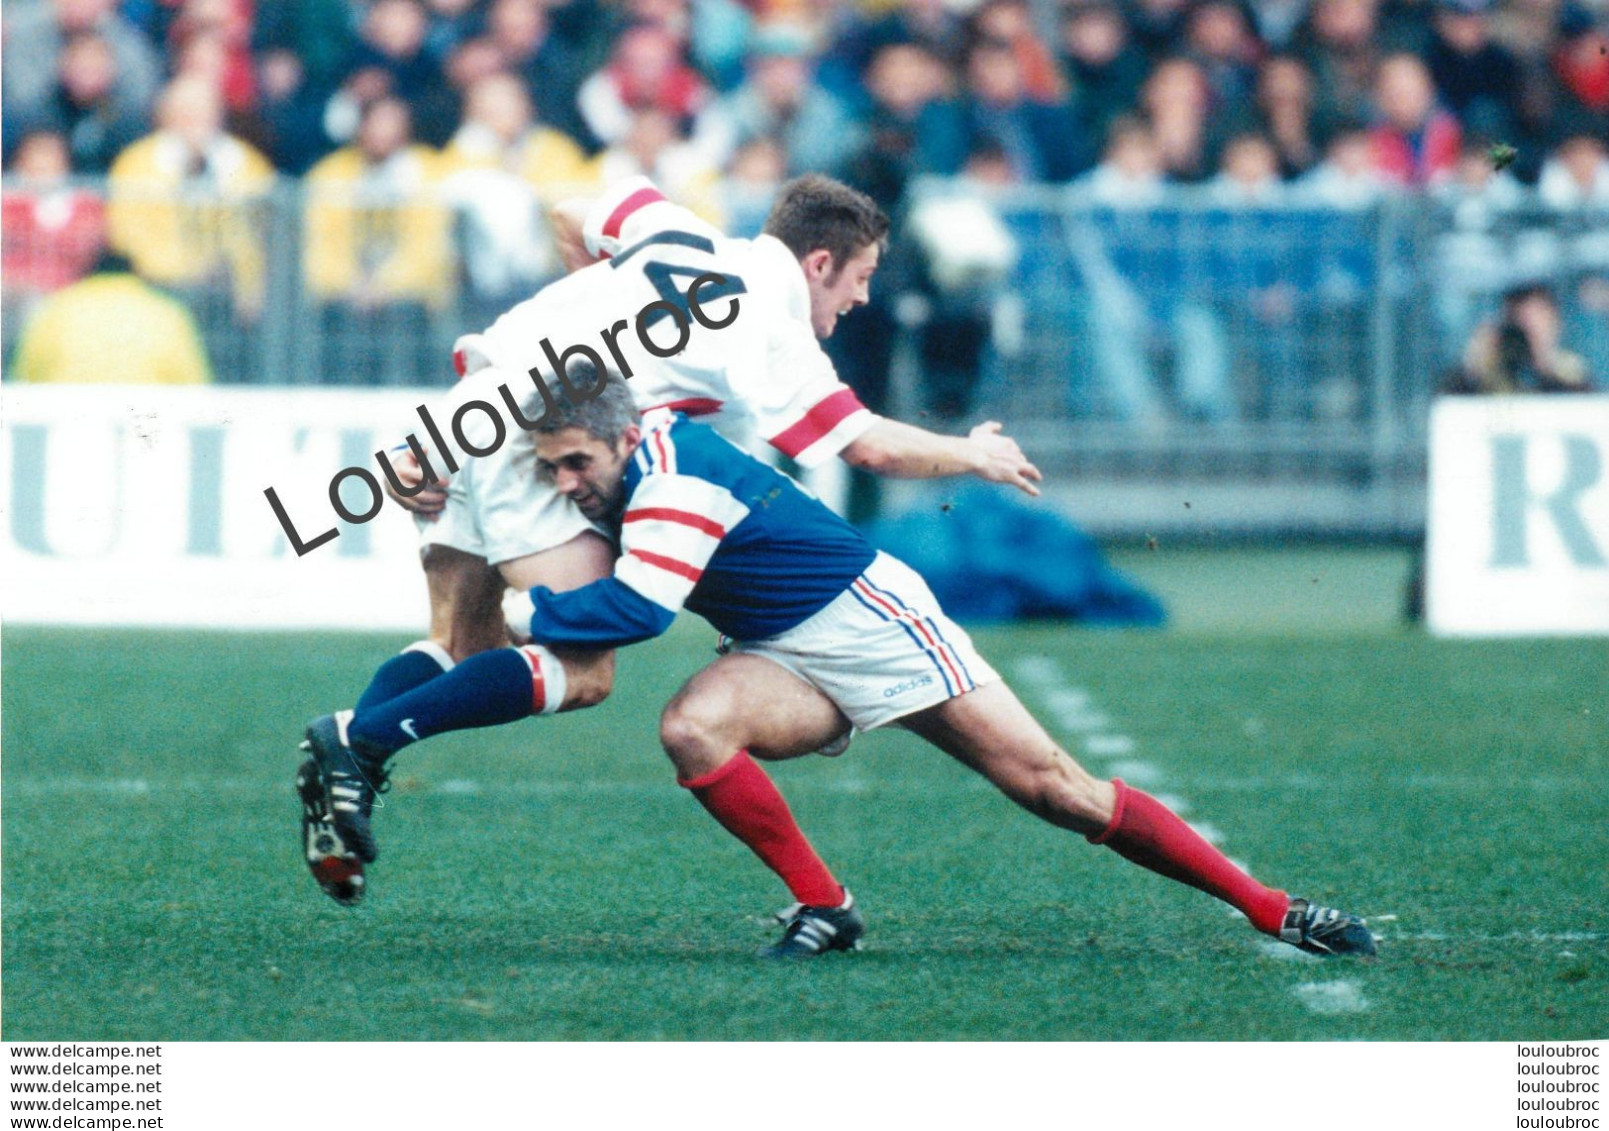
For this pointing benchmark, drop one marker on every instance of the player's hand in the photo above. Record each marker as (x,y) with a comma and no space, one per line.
(518,609)
(1001,460)
(428,502)
(567,219)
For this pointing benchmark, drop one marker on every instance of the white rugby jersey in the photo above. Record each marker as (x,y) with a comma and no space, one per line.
(762,373)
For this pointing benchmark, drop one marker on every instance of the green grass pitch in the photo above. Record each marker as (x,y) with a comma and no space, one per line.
(549,881)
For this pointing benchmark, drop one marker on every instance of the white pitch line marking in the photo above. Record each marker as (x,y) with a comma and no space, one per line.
(1080,721)
(1512,936)
(1284,952)
(126,787)
(458,785)
(1345,996)
(1208,832)
(1136,772)
(1173,801)
(1072,700)
(1037,670)
(1109,745)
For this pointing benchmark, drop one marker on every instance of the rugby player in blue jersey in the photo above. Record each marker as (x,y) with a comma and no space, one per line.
(748,357)
(828,636)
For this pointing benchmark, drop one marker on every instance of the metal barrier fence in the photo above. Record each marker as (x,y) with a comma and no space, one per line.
(1187,366)
(1203,368)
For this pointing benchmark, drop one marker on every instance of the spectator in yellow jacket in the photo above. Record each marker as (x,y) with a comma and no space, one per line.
(376,232)
(183,207)
(111,328)
(377,254)
(501,131)
(501,165)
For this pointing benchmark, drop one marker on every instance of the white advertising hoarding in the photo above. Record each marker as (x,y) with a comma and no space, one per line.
(129,505)
(1519,516)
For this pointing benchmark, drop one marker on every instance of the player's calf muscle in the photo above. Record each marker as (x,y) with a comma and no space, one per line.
(589,678)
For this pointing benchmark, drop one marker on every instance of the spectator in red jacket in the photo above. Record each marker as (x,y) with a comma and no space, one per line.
(1416,141)
(1580,69)
(52,232)
(645,70)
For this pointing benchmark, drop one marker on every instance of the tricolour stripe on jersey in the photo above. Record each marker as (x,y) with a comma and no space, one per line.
(669,565)
(886,612)
(660,449)
(665,450)
(669,589)
(639,199)
(680,515)
(932,630)
(692,406)
(820,420)
(671,514)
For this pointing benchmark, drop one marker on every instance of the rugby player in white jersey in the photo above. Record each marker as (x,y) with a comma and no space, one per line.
(718,328)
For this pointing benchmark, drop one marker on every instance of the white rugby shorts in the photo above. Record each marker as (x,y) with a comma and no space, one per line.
(883,649)
(498,509)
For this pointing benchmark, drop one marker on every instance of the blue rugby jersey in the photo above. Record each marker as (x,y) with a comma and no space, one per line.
(711,528)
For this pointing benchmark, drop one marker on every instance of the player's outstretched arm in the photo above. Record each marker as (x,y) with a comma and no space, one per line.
(905,452)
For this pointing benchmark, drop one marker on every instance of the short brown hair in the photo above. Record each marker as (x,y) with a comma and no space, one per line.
(814,212)
(603,411)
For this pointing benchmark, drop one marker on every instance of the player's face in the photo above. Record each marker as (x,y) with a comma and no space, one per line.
(836,289)
(587,471)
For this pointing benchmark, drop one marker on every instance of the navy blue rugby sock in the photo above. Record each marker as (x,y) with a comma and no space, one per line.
(416,664)
(487,689)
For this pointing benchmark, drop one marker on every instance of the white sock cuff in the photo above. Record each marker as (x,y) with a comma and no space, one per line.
(548,683)
(434,651)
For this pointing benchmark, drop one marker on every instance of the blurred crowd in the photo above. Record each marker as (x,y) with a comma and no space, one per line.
(873,90)
(471,113)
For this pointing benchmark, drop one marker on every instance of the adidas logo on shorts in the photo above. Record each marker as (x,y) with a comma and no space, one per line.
(908,685)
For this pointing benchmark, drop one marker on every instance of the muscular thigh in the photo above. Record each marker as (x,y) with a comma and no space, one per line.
(466,593)
(990,730)
(466,596)
(580,561)
(760,706)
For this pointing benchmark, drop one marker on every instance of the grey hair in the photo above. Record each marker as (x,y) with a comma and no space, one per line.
(603,410)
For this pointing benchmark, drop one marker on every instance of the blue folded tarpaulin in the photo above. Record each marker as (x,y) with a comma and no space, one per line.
(988,557)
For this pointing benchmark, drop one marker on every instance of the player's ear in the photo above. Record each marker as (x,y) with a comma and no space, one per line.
(630,438)
(817,264)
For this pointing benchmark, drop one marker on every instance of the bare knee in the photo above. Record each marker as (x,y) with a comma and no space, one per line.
(693,736)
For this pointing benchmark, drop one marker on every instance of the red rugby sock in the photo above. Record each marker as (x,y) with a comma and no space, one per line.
(1147,832)
(743,798)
